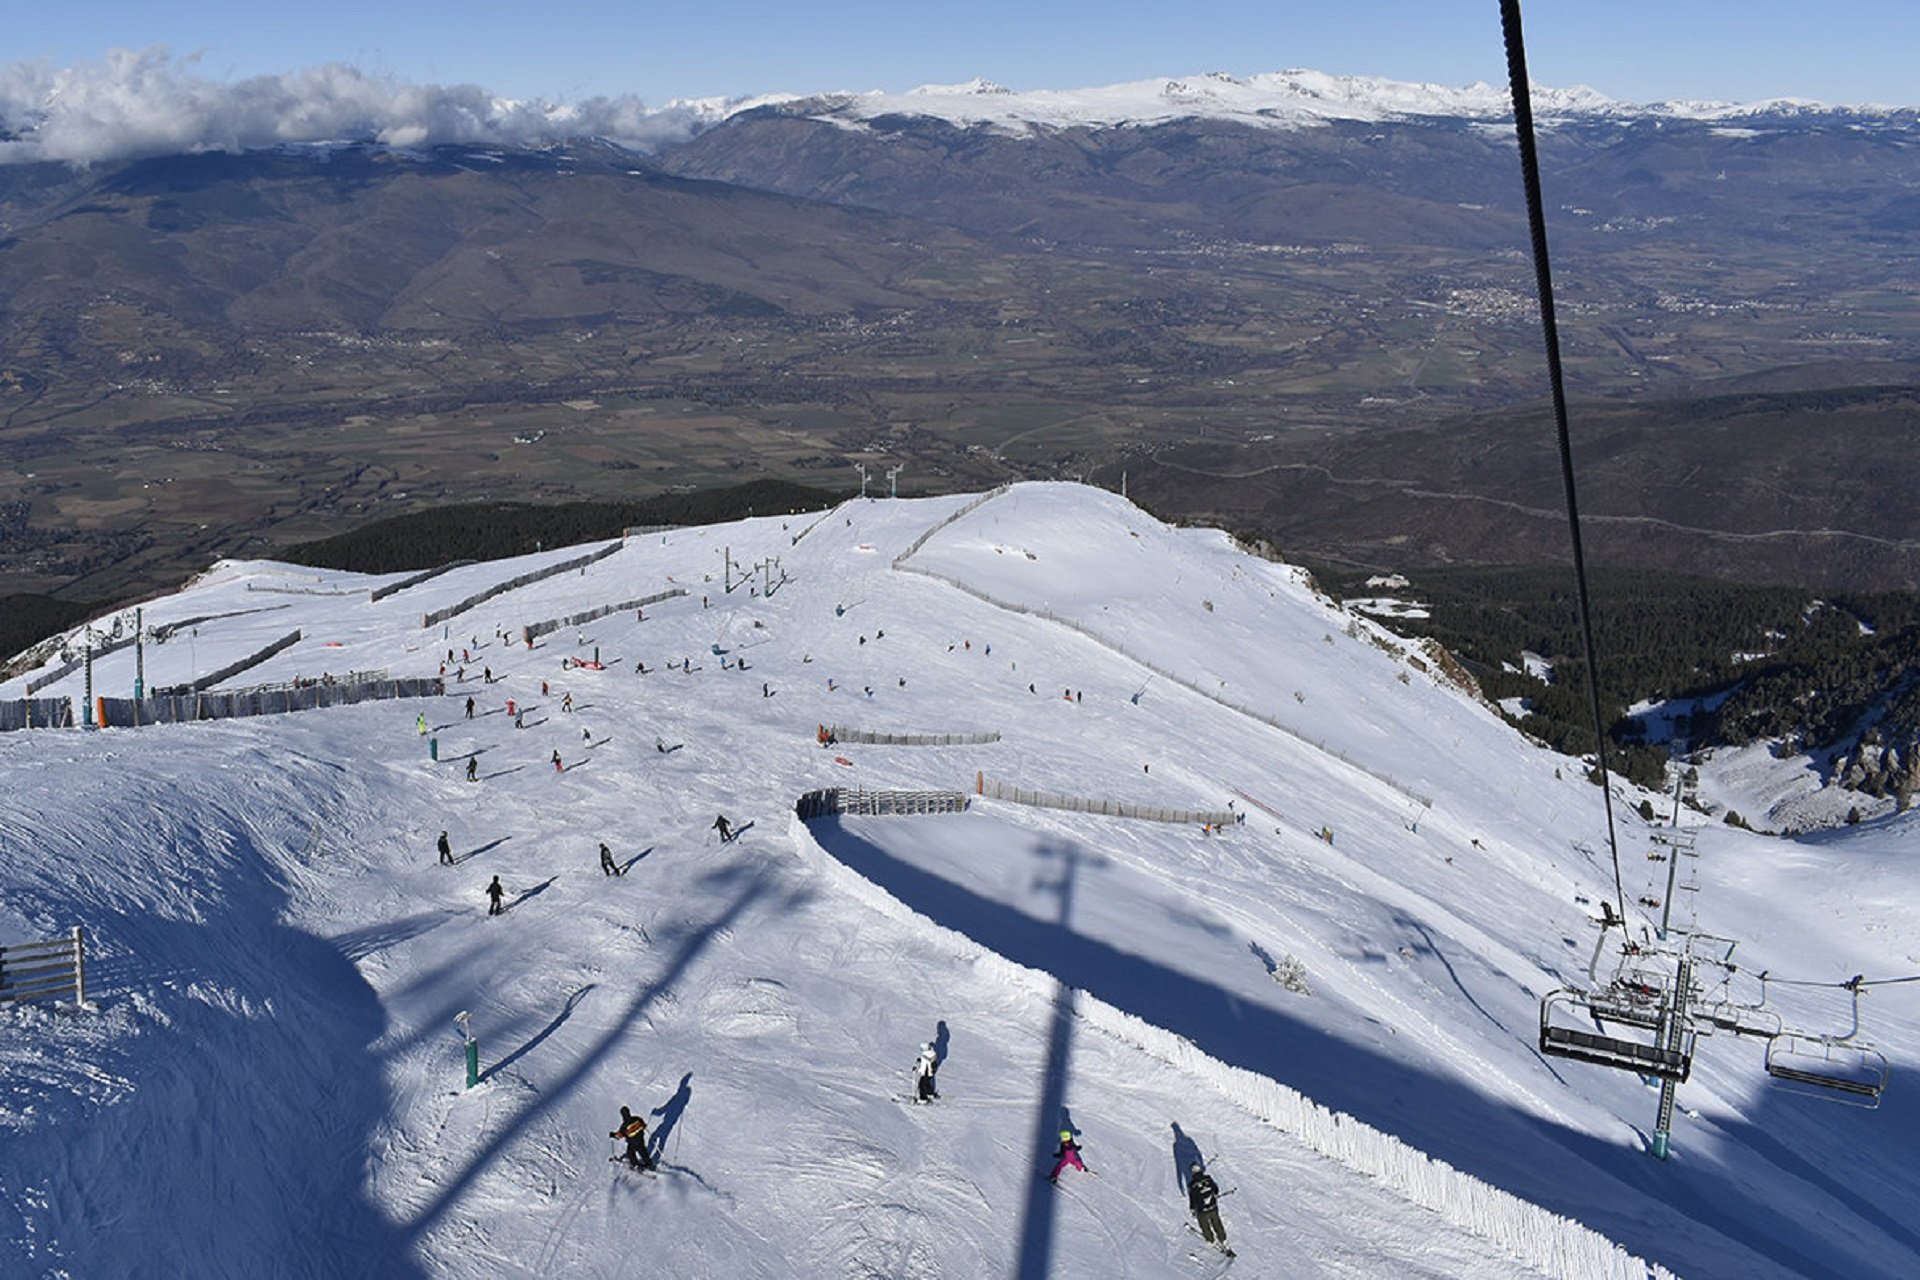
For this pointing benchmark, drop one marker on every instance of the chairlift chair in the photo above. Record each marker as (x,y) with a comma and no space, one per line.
(1835,1068)
(1829,1068)
(1559,1039)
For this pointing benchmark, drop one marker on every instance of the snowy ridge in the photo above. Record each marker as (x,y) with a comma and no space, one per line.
(1557,1246)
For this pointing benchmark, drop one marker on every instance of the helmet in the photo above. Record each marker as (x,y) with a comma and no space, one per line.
(927,1045)
(1066,1135)
(1195,1168)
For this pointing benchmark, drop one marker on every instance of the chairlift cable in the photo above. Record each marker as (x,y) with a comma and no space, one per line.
(1537,223)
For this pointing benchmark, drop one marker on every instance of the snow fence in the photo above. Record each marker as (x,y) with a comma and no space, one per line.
(829,800)
(378,594)
(534,630)
(513,584)
(232,669)
(36,713)
(992,790)
(1172,677)
(267,700)
(844,733)
(899,561)
(1554,1245)
(72,665)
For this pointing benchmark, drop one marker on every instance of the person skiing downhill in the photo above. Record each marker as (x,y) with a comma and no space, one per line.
(1203,1197)
(923,1071)
(473,768)
(1068,1154)
(608,867)
(446,851)
(725,828)
(495,892)
(634,1130)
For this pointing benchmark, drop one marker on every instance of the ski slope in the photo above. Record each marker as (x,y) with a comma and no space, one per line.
(270,1079)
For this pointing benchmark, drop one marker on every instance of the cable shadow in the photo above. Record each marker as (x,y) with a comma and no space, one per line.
(628,864)
(1687,1217)
(501,773)
(560,1018)
(556,1092)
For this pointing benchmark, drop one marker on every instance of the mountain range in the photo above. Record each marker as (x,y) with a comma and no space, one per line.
(1181,281)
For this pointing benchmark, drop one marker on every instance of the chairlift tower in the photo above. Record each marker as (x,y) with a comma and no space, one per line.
(861,467)
(893,474)
(1649,1011)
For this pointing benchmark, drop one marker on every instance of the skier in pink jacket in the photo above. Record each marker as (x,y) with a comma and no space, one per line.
(1068,1154)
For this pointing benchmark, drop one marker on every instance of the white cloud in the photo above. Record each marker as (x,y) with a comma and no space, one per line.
(148,103)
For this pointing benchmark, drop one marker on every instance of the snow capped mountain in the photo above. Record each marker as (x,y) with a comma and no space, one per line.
(1289,99)
(279,955)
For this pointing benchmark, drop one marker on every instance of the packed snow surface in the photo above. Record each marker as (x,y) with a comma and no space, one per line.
(269,1079)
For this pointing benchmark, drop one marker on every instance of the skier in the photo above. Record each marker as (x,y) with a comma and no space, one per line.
(469,708)
(724,827)
(634,1130)
(923,1070)
(420,722)
(1068,1154)
(473,768)
(446,851)
(566,703)
(1203,1197)
(495,892)
(558,767)
(608,867)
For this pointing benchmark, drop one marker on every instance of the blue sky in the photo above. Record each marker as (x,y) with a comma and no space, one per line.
(1841,51)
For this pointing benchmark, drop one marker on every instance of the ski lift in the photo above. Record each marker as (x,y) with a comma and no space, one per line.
(1833,1068)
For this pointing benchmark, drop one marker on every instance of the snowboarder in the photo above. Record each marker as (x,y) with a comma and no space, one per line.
(634,1130)
(608,867)
(724,827)
(446,851)
(924,1068)
(1068,1154)
(1203,1197)
(473,768)
(469,708)
(495,892)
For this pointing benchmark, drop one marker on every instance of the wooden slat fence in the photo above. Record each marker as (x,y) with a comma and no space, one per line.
(44,970)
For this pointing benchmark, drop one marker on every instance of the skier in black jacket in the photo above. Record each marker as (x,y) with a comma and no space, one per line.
(1203,1197)
(634,1130)
(446,851)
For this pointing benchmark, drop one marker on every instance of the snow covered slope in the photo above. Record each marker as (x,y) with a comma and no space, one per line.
(270,1081)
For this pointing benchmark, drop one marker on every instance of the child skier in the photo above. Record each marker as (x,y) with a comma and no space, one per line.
(923,1070)
(634,1130)
(1068,1154)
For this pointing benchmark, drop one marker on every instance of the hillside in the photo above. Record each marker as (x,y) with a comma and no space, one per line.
(278,959)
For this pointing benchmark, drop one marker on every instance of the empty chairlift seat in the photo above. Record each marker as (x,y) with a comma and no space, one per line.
(1644,1056)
